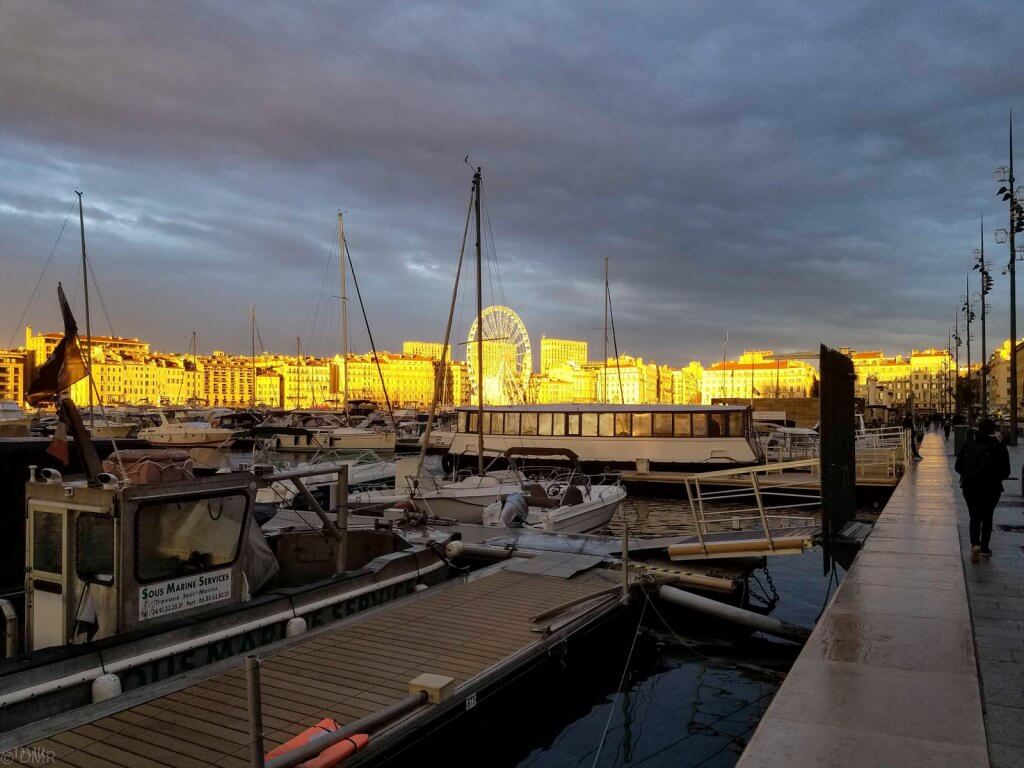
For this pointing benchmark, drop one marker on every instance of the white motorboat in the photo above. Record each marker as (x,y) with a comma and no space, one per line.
(557,507)
(14,422)
(185,431)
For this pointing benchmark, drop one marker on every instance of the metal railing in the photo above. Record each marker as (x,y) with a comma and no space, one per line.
(791,481)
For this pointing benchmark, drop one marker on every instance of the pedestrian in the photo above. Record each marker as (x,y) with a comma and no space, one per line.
(947,427)
(983,464)
(909,430)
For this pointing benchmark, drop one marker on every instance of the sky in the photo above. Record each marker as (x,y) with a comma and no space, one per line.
(789,173)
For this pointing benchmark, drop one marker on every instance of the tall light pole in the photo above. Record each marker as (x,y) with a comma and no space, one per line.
(986,287)
(968,309)
(1012,196)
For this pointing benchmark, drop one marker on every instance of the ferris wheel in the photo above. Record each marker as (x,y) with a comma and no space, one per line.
(508,358)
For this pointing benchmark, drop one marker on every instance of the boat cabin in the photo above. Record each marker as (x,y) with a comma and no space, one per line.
(102,561)
(605,436)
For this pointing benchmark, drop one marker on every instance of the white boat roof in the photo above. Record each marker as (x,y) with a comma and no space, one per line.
(606,408)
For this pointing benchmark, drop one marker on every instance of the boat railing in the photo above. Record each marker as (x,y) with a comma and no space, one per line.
(765,496)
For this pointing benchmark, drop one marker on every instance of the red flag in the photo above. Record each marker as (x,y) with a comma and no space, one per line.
(64,366)
(58,447)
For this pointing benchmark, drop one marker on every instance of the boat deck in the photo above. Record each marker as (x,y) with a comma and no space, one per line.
(476,630)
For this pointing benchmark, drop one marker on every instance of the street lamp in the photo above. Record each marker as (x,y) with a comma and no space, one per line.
(1011,195)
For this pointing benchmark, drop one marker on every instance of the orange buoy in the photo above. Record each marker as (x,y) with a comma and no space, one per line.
(336,753)
(331,756)
(326,725)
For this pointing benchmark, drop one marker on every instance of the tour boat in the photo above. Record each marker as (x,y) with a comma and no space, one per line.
(146,572)
(612,437)
(185,431)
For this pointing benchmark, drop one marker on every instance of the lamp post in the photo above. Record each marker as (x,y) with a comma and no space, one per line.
(956,370)
(1012,196)
(968,309)
(986,287)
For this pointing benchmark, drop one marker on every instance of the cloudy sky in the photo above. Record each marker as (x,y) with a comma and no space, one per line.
(788,172)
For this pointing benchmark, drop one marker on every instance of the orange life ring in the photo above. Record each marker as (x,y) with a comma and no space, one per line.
(331,756)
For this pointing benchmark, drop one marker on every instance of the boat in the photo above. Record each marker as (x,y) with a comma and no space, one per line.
(184,430)
(605,437)
(146,571)
(569,506)
(14,421)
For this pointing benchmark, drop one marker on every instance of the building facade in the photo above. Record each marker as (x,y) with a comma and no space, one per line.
(555,353)
(758,374)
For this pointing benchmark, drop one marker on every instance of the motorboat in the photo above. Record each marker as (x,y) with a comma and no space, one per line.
(571,506)
(14,421)
(184,430)
(146,570)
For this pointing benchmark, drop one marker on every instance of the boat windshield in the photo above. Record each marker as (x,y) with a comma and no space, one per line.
(185,536)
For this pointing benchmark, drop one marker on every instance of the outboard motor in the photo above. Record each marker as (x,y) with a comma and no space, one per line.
(514,512)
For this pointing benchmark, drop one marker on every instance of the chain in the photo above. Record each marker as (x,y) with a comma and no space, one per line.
(766,599)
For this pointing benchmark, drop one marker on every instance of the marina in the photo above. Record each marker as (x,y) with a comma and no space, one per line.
(533,386)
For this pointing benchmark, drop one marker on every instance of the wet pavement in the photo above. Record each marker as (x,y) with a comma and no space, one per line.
(995,590)
(889,676)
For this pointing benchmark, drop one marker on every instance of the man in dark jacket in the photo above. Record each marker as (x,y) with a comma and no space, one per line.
(910,429)
(983,465)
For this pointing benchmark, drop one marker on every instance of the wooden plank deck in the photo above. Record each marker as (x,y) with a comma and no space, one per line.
(466,629)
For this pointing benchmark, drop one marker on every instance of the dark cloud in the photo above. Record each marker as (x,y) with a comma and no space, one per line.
(788,172)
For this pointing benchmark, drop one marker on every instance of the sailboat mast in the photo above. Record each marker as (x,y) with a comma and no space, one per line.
(85,288)
(606,330)
(195,370)
(344,310)
(477,181)
(252,331)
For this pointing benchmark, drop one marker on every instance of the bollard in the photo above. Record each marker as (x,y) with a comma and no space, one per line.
(252,675)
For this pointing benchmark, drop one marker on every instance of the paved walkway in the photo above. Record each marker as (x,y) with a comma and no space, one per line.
(889,676)
(995,591)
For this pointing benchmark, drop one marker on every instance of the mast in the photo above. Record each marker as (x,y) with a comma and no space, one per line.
(88,325)
(344,311)
(252,330)
(477,183)
(606,329)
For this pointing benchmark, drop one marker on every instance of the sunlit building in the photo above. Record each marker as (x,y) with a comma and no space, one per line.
(555,353)
(429,349)
(757,374)
(16,367)
(686,384)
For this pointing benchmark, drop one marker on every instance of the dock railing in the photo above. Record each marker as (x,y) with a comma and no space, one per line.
(787,482)
(882,452)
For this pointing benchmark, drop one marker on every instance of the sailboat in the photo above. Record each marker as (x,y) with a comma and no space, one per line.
(362,436)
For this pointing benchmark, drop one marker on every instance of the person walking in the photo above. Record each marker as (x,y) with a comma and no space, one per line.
(911,432)
(982,464)
(947,427)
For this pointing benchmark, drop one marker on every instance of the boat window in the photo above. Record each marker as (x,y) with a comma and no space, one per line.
(529,424)
(682,425)
(47,542)
(574,424)
(606,425)
(641,425)
(545,423)
(94,546)
(622,425)
(186,536)
(663,425)
(496,424)
(462,421)
(511,423)
(736,425)
(472,422)
(716,425)
(589,427)
(558,424)
(700,425)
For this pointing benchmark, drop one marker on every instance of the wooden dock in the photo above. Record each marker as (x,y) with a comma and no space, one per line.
(477,630)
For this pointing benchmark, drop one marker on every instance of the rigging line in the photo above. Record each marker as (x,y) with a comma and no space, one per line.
(618,691)
(494,247)
(99,293)
(323,285)
(615,347)
(41,275)
(369,333)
